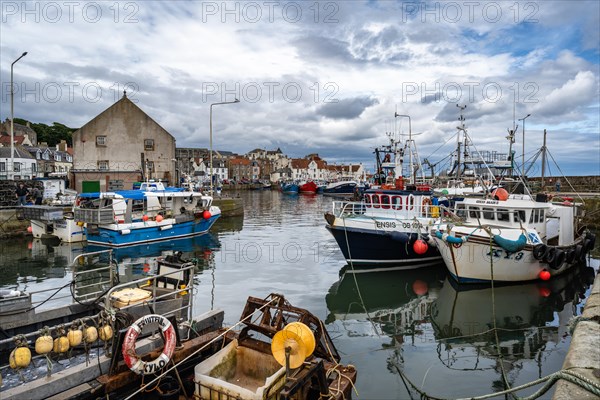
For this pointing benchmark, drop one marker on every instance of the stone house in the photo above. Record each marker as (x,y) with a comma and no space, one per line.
(243,168)
(120,146)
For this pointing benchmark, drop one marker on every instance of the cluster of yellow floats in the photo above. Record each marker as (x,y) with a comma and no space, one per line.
(78,333)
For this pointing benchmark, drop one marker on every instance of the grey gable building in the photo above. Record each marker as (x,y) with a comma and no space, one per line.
(120,146)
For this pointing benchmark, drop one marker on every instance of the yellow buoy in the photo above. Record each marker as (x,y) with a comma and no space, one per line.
(44,343)
(19,358)
(61,344)
(305,334)
(90,334)
(75,336)
(106,332)
(284,339)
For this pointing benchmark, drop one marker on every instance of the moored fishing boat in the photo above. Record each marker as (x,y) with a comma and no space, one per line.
(309,187)
(341,188)
(512,238)
(131,217)
(289,187)
(389,227)
(201,359)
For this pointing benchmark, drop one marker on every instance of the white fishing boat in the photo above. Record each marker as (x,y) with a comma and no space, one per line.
(511,238)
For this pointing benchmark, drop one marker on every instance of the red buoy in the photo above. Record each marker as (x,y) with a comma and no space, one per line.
(159,218)
(145,218)
(420,246)
(419,287)
(29,229)
(544,275)
(206,214)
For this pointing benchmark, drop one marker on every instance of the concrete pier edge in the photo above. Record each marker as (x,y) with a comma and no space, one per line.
(583,356)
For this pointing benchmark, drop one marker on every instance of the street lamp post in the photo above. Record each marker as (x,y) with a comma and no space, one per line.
(523,154)
(211,145)
(12,119)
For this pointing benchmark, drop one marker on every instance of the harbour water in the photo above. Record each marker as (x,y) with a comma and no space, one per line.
(399,328)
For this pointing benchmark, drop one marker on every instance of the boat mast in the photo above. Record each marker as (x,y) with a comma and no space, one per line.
(543,159)
(407,145)
(462,128)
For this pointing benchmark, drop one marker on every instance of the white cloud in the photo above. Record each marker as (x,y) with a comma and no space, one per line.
(181,57)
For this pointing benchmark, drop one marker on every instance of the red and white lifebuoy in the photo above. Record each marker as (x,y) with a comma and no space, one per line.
(132,360)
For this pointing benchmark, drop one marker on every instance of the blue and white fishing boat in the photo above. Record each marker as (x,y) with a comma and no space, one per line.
(131,217)
(289,187)
(341,188)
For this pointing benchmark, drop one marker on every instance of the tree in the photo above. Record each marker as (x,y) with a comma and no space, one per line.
(52,134)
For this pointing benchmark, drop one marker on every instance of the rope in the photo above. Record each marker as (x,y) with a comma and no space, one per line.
(221,335)
(362,302)
(548,381)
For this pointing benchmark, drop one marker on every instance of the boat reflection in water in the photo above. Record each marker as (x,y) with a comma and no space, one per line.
(395,301)
(423,328)
(528,319)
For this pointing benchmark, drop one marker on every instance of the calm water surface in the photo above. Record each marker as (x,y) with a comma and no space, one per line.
(399,328)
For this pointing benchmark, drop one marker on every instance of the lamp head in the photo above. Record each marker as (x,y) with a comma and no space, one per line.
(24,54)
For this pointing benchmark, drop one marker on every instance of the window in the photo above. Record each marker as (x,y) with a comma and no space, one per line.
(474,212)
(103,165)
(385,201)
(57,157)
(100,140)
(150,166)
(33,167)
(397,203)
(2,167)
(148,144)
(519,216)
(502,215)
(17,167)
(488,213)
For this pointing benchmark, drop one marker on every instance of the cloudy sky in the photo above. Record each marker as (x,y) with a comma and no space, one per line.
(323,77)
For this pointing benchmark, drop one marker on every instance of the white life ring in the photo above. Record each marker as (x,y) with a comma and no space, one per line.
(132,360)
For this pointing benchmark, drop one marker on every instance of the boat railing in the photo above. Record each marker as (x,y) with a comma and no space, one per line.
(346,208)
(151,284)
(419,210)
(99,216)
(86,286)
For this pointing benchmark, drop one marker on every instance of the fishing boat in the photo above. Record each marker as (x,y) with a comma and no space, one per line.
(389,228)
(149,214)
(289,187)
(512,238)
(343,188)
(276,350)
(53,222)
(309,187)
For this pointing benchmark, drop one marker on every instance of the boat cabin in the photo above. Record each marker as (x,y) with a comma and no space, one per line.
(551,221)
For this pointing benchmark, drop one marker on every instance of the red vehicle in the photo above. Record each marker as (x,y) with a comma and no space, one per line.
(308,187)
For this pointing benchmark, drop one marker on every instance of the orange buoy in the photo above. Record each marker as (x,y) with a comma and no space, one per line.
(500,194)
(420,246)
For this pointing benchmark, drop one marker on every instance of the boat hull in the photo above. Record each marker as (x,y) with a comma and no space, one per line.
(116,235)
(377,249)
(290,188)
(308,187)
(475,260)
